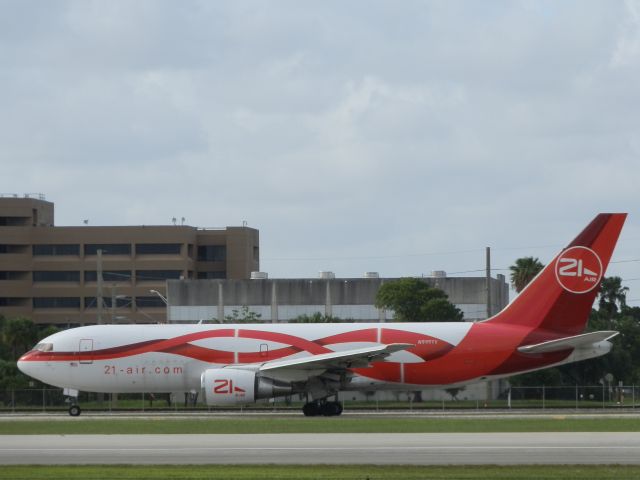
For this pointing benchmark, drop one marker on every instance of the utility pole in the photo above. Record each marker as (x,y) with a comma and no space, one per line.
(113,303)
(274,303)
(99,279)
(100,304)
(488,278)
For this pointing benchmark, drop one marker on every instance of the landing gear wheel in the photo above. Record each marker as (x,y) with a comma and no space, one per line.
(311,409)
(74,410)
(326,409)
(331,409)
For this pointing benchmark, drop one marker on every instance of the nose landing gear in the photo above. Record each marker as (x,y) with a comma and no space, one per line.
(72,400)
(74,410)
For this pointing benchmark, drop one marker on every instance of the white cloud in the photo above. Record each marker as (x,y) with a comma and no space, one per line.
(627,51)
(341,129)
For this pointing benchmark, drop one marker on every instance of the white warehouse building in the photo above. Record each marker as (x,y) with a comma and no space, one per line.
(281,300)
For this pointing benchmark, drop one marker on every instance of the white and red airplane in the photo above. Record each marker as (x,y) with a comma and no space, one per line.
(241,363)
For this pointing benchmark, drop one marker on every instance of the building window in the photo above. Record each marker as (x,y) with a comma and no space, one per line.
(12,302)
(212,253)
(108,276)
(56,250)
(157,275)
(256,254)
(14,275)
(92,302)
(15,221)
(56,302)
(149,302)
(158,248)
(211,275)
(56,276)
(14,249)
(108,249)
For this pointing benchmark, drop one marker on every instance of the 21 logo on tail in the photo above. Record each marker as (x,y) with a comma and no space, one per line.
(578,269)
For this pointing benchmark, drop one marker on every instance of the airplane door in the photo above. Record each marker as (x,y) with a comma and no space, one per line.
(85,352)
(264,350)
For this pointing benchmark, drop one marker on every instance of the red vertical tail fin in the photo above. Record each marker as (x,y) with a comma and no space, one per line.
(558,301)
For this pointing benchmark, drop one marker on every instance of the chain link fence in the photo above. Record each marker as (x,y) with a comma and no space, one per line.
(525,397)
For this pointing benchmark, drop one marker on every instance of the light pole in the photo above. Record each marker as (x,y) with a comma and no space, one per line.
(162,297)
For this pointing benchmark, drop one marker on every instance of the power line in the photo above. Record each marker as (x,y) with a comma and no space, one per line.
(413,255)
(370,257)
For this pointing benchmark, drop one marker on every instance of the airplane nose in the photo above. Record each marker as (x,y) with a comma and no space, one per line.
(24,365)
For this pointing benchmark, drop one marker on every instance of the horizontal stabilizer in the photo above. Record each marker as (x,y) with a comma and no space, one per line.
(576,341)
(357,358)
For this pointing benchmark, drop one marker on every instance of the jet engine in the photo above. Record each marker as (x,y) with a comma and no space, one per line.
(234,386)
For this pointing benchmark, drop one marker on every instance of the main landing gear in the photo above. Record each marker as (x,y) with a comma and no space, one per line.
(322,408)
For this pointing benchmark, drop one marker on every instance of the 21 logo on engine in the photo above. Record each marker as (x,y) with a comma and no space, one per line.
(223,386)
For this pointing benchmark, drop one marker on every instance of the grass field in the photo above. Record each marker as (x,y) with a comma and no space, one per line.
(300,424)
(325,472)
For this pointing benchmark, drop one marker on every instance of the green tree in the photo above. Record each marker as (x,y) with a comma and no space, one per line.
(21,334)
(612,297)
(244,315)
(46,331)
(5,349)
(413,300)
(11,377)
(316,318)
(623,359)
(523,271)
(18,335)
(440,310)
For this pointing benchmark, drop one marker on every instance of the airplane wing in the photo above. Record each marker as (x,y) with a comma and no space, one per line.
(577,341)
(356,358)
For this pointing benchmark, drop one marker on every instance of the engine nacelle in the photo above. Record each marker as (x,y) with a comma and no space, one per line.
(233,386)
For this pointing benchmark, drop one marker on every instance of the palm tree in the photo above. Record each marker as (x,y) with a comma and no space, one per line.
(523,271)
(612,294)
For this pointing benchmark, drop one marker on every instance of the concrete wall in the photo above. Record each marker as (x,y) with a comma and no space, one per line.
(348,298)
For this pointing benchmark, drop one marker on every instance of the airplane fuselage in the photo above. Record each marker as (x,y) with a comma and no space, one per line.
(162,358)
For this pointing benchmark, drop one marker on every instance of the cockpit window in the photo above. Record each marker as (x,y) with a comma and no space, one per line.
(44,347)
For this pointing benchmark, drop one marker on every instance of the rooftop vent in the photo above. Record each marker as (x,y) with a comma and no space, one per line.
(259,275)
(326,275)
(371,275)
(439,274)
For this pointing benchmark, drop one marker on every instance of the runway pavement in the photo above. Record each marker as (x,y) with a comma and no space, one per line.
(345,448)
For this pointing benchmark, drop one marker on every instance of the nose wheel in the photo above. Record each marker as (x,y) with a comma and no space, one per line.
(74,410)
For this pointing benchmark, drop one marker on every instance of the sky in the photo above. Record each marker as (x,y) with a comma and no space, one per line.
(395,137)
